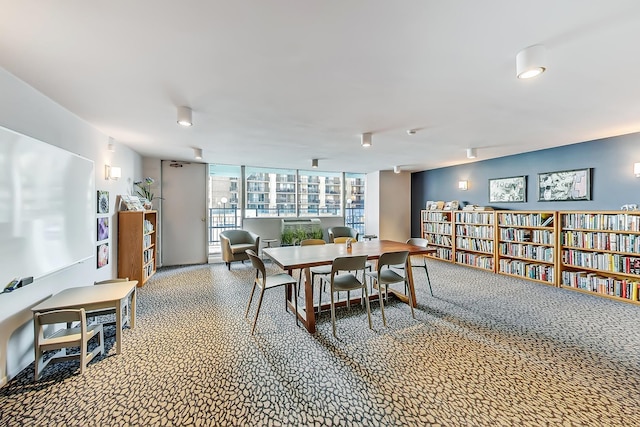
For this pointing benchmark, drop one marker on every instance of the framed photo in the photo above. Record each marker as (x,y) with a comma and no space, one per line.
(103,255)
(508,190)
(103,228)
(564,185)
(103,202)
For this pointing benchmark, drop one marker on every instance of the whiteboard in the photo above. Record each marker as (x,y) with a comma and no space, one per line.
(47,219)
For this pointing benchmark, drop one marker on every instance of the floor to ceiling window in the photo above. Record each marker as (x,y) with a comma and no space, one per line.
(223,202)
(354,186)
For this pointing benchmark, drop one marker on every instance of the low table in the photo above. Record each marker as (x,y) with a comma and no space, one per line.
(95,297)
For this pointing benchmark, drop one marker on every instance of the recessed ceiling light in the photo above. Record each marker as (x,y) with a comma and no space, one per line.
(366,139)
(184,116)
(531,62)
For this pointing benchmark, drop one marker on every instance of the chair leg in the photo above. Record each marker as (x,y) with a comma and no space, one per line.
(428,280)
(229,266)
(296,302)
(333,316)
(384,318)
(246,313)
(366,301)
(255,320)
(413,314)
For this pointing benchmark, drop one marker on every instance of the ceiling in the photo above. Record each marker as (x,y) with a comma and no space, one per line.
(277,83)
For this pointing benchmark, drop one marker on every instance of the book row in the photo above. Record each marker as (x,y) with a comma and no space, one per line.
(592,282)
(523,235)
(602,241)
(529,270)
(537,253)
(600,221)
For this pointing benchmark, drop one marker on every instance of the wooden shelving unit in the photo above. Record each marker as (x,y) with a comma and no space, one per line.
(437,228)
(137,245)
(600,253)
(474,237)
(527,245)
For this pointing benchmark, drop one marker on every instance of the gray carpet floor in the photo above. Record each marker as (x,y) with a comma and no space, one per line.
(485,350)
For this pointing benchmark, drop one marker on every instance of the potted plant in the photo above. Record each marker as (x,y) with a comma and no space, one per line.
(143,190)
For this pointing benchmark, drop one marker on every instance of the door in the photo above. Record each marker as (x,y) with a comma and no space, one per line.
(184,213)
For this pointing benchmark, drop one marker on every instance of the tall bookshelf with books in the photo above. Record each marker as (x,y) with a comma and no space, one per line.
(600,253)
(526,245)
(137,245)
(437,229)
(474,237)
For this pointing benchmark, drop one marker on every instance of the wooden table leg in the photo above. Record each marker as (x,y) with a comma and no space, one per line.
(132,309)
(118,326)
(308,302)
(400,295)
(306,315)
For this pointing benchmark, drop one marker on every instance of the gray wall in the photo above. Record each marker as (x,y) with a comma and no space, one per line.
(612,181)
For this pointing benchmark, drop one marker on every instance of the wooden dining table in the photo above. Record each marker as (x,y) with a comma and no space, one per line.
(291,258)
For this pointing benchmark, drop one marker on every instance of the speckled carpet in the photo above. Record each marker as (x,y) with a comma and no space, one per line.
(486,350)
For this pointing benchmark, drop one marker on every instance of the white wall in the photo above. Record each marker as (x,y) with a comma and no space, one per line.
(388,205)
(27,111)
(372,203)
(395,206)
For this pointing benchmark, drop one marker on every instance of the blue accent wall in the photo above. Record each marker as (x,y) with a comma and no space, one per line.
(613,183)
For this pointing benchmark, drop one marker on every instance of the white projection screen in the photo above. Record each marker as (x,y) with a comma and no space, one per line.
(46,207)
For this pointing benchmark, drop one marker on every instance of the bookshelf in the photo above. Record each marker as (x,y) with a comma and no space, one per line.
(437,228)
(600,253)
(527,245)
(474,237)
(137,245)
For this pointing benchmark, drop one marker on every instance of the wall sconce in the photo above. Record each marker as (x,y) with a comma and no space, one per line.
(112,172)
(365,139)
(463,185)
(314,163)
(636,170)
(184,116)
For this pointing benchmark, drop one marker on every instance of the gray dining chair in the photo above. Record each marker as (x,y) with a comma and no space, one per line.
(344,277)
(265,282)
(386,275)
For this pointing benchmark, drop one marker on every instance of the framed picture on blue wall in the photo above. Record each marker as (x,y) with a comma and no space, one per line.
(508,190)
(564,185)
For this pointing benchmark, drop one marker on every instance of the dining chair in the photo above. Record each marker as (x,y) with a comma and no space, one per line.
(65,338)
(416,241)
(344,277)
(265,282)
(124,306)
(321,270)
(341,231)
(386,275)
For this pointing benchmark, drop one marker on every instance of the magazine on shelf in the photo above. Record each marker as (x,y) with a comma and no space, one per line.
(131,203)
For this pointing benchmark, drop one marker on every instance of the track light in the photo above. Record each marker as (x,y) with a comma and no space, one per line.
(531,62)
(396,169)
(111,146)
(184,116)
(197,153)
(472,153)
(365,139)
(314,163)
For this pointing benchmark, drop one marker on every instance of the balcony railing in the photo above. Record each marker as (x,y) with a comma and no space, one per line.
(229,218)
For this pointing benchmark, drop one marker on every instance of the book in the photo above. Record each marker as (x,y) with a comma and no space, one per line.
(131,203)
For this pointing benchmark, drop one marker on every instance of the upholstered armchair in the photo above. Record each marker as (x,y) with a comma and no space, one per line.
(334,232)
(234,244)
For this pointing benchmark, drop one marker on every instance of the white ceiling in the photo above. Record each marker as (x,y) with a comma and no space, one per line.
(276,83)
